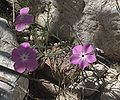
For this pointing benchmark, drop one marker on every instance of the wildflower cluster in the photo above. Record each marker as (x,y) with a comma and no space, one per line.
(25,57)
(54,64)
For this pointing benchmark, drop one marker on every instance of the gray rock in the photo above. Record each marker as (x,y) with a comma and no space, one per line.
(90,84)
(62,16)
(10,1)
(100,25)
(67,96)
(112,86)
(48,87)
(108,96)
(7,42)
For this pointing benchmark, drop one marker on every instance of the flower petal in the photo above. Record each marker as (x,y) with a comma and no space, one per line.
(15,55)
(24,11)
(31,53)
(18,19)
(32,64)
(87,48)
(28,19)
(75,59)
(25,44)
(83,64)
(25,19)
(20,67)
(77,49)
(22,21)
(91,58)
(20,27)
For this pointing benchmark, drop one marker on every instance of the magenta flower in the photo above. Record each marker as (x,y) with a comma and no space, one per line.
(23,19)
(25,58)
(83,55)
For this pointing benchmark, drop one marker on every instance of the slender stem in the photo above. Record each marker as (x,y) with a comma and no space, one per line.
(13,5)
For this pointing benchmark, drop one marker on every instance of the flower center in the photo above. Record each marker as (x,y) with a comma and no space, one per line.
(21,18)
(24,57)
(82,56)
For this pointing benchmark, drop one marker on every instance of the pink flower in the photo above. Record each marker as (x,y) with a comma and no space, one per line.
(23,19)
(25,58)
(83,55)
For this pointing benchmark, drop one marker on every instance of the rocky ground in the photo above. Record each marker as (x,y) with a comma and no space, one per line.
(94,21)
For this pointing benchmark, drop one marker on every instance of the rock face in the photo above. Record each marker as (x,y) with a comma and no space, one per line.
(100,25)
(90,84)
(8,92)
(107,88)
(112,86)
(67,96)
(62,16)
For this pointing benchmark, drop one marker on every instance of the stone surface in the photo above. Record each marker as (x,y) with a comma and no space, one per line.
(112,86)
(7,42)
(62,16)
(10,1)
(100,25)
(48,87)
(90,86)
(91,81)
(67,96)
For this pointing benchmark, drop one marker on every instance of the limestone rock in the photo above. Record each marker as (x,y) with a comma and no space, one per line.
(48,87)
(112,86)
(90,84)
(67,96)
(10,1)
(7,42)
(63,15)
(100,25)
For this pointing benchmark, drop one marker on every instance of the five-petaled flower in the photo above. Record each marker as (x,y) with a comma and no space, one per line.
(23,19)
(25,58)
(83,55)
